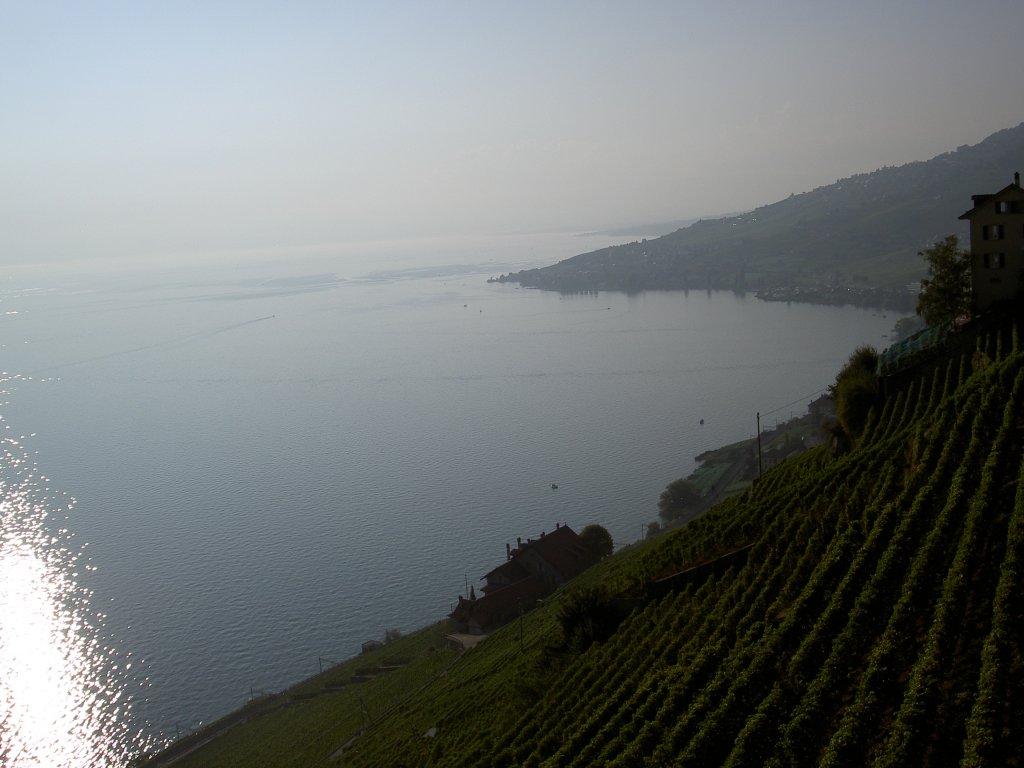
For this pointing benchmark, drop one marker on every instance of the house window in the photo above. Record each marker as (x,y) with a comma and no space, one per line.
(1008,206)
(1000,260)
(992,232)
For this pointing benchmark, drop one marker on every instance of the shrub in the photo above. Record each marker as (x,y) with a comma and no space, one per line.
(856,391)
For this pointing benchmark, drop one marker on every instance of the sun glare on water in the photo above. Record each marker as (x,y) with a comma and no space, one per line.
(62,693)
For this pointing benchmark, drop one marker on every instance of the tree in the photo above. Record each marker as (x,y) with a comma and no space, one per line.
(588,614)
(946,292)
(598,541)
(679,498)
(856,390)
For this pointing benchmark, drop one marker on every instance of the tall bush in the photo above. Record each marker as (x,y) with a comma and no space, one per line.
(856,391)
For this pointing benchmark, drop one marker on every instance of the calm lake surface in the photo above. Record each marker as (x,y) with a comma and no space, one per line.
(218,472)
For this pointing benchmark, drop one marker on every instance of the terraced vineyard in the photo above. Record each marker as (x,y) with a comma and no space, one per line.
(877,618)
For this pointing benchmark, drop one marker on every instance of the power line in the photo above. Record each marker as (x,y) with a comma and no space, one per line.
(798,400)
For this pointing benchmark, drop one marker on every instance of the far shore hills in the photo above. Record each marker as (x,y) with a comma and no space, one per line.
(856,241)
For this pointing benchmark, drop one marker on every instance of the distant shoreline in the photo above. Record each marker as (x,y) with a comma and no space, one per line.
(888,299)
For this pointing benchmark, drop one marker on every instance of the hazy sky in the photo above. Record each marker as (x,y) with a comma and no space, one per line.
(154,128)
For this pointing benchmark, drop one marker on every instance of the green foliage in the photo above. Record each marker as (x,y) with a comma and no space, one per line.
(598,541)
(856,391)
(586,615)
(679,500)
(946,292)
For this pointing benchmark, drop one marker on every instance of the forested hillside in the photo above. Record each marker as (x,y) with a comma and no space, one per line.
(861,234)
(875,619)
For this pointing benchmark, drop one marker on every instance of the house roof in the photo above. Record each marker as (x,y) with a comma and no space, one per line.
(510,570)
(979,200)
(500,605)
(563,550)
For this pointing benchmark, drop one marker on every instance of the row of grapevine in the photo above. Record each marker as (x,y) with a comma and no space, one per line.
(909,731)
(703,650)
(877,687)
(993,732)
(840,640)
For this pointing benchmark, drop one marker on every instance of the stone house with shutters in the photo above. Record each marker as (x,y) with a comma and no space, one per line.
(997,246)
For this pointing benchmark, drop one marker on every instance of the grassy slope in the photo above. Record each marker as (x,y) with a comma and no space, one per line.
(877,620)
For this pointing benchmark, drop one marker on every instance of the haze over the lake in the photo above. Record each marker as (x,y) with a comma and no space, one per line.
(151,131)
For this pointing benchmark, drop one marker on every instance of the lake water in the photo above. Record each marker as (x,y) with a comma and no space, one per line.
(216,473)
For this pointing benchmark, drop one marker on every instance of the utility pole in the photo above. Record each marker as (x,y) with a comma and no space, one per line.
(520,625)
(760,468)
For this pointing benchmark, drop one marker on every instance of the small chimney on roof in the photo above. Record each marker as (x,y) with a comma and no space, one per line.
(1016,178)
(508,551)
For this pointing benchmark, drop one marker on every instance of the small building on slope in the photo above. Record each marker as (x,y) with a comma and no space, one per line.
(531,571)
